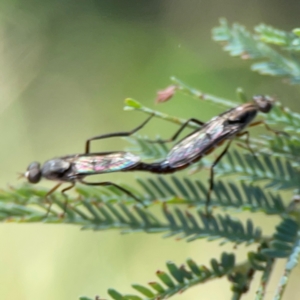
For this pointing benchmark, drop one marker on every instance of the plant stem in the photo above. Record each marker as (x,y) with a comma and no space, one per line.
(236,296)
(161,115)
(200,95)
(264,280)
(291,263)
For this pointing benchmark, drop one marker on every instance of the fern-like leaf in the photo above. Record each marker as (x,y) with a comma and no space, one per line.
(285,240)
(278,172)
(240,42)
(286,40)
(179,278)
(102,212)
(226,195)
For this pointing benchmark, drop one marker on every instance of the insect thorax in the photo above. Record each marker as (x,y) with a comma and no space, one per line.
(55,169)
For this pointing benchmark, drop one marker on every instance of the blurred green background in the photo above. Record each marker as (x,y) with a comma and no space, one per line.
(66,67)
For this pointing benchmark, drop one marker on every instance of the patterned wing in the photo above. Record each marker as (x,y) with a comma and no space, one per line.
(199,143)
(97,164)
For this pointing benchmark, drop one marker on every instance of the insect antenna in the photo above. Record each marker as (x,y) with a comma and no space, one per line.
(21,175)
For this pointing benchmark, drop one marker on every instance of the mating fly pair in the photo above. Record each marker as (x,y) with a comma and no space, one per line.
(190,149)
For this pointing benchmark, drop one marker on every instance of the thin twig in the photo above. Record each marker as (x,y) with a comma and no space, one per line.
(200,95)
(236,296)
(291,263)
(265,279)
(158,114)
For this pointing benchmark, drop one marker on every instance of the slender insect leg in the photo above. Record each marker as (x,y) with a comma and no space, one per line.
(211,180)
(48,194)
(115,134)
(175,136)
(66,197)
(107,183)
(248,147)
(261,122)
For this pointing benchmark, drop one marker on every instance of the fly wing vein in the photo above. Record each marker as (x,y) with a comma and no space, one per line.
(105,164)
(197,145)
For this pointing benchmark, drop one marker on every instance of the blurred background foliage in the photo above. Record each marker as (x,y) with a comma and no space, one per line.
(66,67)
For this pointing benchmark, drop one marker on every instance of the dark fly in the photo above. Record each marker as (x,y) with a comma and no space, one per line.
(211,135)
(74,168)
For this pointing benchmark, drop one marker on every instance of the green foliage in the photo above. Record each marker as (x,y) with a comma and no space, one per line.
(284,239)
(227,195)
(180,278)
(240,42)
(98,212)
(278,172)
(173,205)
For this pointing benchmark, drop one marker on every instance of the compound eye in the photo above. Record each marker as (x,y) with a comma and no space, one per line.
(264,103)
(33,173)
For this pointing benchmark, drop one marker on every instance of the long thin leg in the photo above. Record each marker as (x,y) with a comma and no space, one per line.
(211,185)
(174,137)
(261,122)
(248,147)
(66,197)
(48,194)
(115,134)
(108,183)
